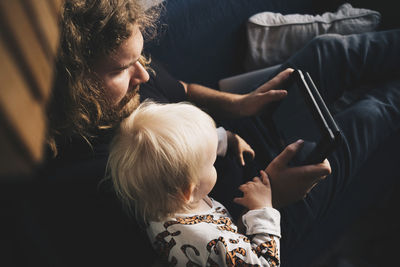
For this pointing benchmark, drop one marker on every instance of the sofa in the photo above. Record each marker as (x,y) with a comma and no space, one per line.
(60,219)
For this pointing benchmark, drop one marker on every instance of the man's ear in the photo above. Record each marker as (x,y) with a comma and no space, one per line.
(188,193)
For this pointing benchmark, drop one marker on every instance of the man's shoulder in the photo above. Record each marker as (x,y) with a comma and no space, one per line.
(162,86)
(77,161)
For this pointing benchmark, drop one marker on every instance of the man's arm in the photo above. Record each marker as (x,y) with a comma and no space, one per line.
(228,105)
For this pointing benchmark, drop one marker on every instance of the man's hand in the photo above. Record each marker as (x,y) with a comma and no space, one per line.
(291,184)
(256,193)
(239,147)
(252,103)
(227,105)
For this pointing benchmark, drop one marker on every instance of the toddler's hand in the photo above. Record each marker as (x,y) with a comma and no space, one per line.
(239,147)
(256,194)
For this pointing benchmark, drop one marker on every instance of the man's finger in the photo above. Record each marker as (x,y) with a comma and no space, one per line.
(315,171)
(276,81)
(275,95)
(288,153)
(320,170)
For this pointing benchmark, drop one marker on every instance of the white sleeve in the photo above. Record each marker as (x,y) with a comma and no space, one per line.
(264,232)
(266,220)
(222,142)
(259,247)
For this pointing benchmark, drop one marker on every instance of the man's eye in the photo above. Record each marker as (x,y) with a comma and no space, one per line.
(117,72)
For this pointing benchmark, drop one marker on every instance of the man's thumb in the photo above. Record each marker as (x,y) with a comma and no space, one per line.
(289,152)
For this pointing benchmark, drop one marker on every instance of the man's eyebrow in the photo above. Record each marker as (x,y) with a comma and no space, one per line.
(125,66)
(122,67)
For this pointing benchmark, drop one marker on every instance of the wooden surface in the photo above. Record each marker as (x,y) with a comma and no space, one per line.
(29,36)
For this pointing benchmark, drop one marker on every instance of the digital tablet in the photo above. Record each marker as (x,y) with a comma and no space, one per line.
(303,114)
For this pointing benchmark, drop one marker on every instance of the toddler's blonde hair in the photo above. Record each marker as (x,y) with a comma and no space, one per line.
(154,157)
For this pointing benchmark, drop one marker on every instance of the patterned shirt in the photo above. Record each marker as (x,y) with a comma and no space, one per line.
(212,239)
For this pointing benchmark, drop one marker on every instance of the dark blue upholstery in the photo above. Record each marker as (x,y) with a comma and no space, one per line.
(205,40)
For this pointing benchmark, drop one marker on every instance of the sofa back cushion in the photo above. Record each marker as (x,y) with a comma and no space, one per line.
(274,37)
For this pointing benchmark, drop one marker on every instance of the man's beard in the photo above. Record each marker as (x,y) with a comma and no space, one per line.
(114,114)
(129,103)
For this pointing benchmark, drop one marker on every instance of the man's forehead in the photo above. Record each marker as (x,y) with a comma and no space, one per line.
(127,53)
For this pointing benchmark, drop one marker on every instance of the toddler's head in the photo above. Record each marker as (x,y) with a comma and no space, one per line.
(161,159)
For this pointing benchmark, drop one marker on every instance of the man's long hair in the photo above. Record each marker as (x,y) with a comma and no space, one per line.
(91,29)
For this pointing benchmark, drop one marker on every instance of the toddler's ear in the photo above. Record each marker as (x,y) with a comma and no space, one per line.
(188,193)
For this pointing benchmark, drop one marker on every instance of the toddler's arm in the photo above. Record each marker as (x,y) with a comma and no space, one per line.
(262,222)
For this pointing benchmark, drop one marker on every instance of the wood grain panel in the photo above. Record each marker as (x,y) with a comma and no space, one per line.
(28,48)
(56,6)
(46,24)
(23,113)
(29,36)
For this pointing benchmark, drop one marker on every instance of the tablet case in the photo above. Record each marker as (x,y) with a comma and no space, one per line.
(313,152)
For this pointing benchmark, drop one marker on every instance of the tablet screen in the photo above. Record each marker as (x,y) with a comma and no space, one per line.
(293,118)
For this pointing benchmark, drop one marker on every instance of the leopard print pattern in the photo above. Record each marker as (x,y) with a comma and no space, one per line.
(268,250)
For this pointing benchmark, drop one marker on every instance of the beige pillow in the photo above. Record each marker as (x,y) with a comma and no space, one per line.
(273,37)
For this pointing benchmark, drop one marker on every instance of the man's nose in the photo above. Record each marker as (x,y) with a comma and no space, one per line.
(140,74)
